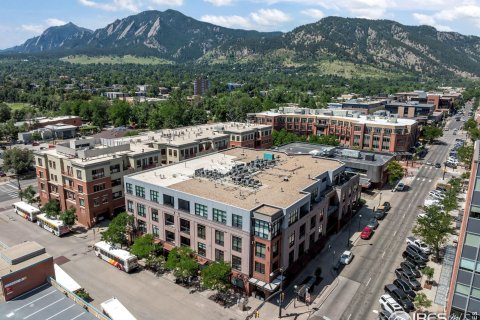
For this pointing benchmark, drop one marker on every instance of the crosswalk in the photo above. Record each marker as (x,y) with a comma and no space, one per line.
(423,179)
(9,189)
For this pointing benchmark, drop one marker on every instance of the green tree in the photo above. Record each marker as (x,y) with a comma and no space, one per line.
(119,113)
(156,263)
(325,139)
(68,217)
(28,193)
(117,230)
(465,154)
(430,133)
(469,124)
(421,301)
(428,272)
(450,202)
(51,209)
(5,112)
(181,261)
(144,246)
(216,276)
(434,228)
(36,136)
(18,161)
(9,130)
(395,171)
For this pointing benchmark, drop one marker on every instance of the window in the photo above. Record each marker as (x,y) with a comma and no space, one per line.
(140,191)
(42,186)
(168,200)
(129,188)
(105,199)
(201,210)
(236,244)
(169,219)
(260,250)
(291,239)
(462,289)
(79,174)
(99,187)
(237,221)
(259,267)
(141,210)
(302,231)
(116,182)
(155,215)
(155,231)
(237,263)
(275,249)
(40,162)
(313,221)
(202,249)
(219,255)
(467,264)
(96,202)
(219,216)
(169,236)
(142,226)
(201,233)
(81,202)
(293,216)
(219,237)
(184,226)
(184,242)
(472,240)
(114,169)
(184,205)
(40,174)
(476,293)
(154,196)
(116,195)
(97,173)
(260,228)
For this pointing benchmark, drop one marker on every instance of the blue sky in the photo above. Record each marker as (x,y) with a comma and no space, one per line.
(23,19)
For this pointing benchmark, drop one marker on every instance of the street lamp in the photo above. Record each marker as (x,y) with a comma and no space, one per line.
(380,202)
(359,220)
(280,300)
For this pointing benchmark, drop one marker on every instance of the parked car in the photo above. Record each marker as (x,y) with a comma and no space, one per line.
(429,163)
(380,214)
(399,187)
(438,165)
(389,304)
(415,259)
(405,287)
(384,315)
(399,296)
(406,266)
(419,243)
(413,283)
(372,223)
(2,174)
(407,272)
(346,257)
(452,165)
(418,251)
(385,206)
(366,233)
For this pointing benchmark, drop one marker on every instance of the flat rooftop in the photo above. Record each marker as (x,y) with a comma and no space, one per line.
(21,256)
(306,148)
(44,302)
(281,184)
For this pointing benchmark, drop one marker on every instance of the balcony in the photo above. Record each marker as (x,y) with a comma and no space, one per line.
(68,174)
(98,176)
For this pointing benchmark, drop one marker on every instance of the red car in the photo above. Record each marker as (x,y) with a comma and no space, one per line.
(366,233)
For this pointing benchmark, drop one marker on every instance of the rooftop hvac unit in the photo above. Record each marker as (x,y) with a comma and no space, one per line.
(370,157)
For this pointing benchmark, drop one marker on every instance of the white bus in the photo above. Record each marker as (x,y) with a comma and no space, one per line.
(115,310)
(26,211)
(119,258)
(54,226)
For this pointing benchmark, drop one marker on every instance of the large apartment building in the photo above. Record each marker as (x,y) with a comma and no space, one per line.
(260,211)
(88,173)
(464,293)
(352,129)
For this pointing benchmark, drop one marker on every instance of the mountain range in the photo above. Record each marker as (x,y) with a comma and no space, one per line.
(171,35)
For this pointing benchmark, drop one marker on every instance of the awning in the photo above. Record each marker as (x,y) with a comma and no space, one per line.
(365,182)
(272,286)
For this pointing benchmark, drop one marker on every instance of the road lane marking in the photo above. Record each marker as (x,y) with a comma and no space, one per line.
(423,179)
(375,311)
(383,254)
(349,316)
(395,233)
(368,282)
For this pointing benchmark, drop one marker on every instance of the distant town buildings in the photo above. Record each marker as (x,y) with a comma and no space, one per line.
(200,86)
(42,122)
(260,211)
(88,173)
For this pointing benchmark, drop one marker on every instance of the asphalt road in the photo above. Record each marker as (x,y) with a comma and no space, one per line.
(9,190)
(376,259)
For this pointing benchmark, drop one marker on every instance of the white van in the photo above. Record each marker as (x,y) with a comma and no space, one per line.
(399,187)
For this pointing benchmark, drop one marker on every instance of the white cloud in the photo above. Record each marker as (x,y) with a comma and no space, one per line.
(269,17)
(228,21)
(220,3)
(115,5)
(33,28)
(54,22)
(173,3)
(424,19)
(313,13)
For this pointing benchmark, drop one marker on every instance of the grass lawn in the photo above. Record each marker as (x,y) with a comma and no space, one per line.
(17,105)
(128,59)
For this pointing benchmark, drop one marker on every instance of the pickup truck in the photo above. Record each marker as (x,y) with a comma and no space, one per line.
(419,244)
